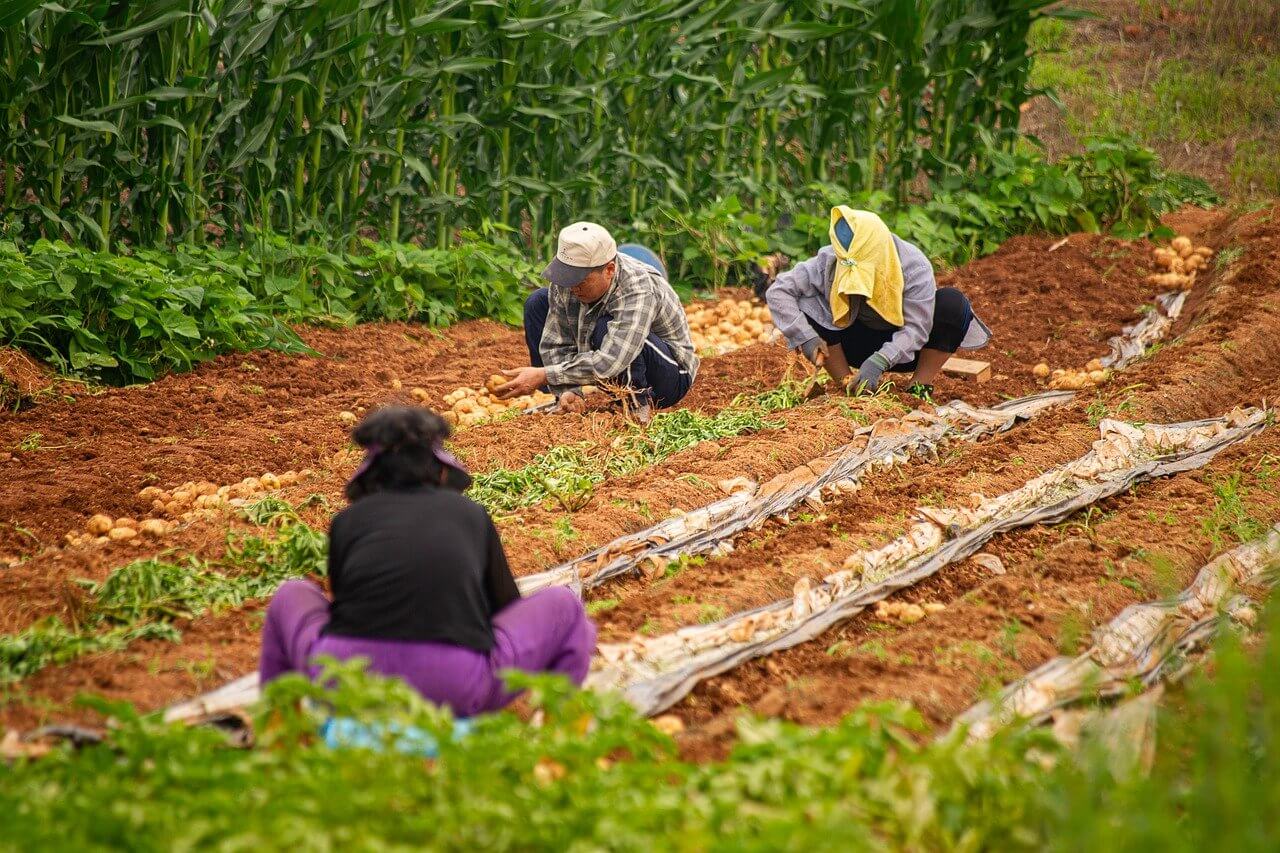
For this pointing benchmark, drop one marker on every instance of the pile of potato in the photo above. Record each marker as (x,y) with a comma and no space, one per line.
(1092,375)
(729,325)
(905,612)
(181,504)
(1181,262)
(469,406)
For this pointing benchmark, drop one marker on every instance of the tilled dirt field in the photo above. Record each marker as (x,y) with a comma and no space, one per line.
(1047,301)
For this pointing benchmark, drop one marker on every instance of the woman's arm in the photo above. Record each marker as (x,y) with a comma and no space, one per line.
(499,583)
(807,278)
(337,547)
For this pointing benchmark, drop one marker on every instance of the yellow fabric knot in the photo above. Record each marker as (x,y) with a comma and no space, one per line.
(867,266)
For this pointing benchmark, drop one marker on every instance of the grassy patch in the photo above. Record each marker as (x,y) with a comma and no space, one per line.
(1189,85)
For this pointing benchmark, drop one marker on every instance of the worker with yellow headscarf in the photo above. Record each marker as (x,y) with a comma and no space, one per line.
(875,296)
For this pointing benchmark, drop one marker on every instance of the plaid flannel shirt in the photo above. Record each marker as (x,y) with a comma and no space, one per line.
(638,302)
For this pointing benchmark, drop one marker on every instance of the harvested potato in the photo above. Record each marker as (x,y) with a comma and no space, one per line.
(450,417)
(347,418)
(495,381)
(1095,364)
(420,395)
(668,724)
(1041,370)
(99,525)
(1181,244)
(153,527)
(119,534)
(125,522)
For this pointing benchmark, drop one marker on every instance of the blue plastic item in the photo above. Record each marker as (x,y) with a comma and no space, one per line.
(344,732)
(644,255)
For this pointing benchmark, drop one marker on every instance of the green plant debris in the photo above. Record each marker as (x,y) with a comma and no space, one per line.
(569,474)
(144,598)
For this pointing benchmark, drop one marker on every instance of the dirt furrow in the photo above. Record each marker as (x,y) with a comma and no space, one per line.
(1057,584)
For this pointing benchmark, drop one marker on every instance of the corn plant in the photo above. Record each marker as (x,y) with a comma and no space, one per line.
(125,125)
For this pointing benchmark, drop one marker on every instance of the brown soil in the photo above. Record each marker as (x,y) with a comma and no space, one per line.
(1061,581)
(1055,306)
(22,378)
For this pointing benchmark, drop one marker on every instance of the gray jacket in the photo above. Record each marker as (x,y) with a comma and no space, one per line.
(805,289)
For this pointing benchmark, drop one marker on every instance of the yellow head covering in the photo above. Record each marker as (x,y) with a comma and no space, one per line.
(867,265)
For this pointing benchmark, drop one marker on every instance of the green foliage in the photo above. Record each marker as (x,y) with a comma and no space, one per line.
(1215,740)
(143,123)
(49,642)
(124,318)
(591,776)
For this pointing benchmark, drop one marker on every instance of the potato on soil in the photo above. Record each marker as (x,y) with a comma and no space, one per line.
(99,525)
(1181,244)
(150,493)
(348,418)
(153,527)
(1041,370)
(420,395)
(125,522)
(119,534)
(668,724)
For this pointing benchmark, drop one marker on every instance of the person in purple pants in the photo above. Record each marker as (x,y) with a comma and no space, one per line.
(420,583)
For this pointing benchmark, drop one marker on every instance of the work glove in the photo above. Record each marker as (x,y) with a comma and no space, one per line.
(870,372)
(812,349)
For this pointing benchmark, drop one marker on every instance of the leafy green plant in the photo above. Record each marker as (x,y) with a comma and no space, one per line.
(124,318)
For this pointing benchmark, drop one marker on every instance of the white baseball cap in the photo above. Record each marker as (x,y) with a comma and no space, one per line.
(583,246)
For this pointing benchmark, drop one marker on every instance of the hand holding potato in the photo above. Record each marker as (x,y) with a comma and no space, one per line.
(572,402)
(523,380)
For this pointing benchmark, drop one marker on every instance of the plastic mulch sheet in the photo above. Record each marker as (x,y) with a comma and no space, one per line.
(1147,643)
(654,673)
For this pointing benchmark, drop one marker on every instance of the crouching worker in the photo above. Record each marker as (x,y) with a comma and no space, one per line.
(869,302)
(421,586)
(608,317)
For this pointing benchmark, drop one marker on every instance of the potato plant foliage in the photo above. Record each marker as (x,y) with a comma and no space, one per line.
(593,776)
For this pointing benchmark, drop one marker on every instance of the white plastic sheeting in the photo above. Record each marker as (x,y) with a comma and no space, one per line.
(1145,644)
(655,672)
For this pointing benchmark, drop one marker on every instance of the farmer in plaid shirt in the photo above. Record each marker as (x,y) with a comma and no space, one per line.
(609,317)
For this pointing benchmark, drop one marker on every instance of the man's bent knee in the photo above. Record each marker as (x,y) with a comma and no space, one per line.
(538,304)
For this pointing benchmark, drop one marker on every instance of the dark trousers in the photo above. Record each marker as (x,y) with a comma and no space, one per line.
(952,315)
(655,375)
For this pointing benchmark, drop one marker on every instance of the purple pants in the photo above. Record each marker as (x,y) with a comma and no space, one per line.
(547,632)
